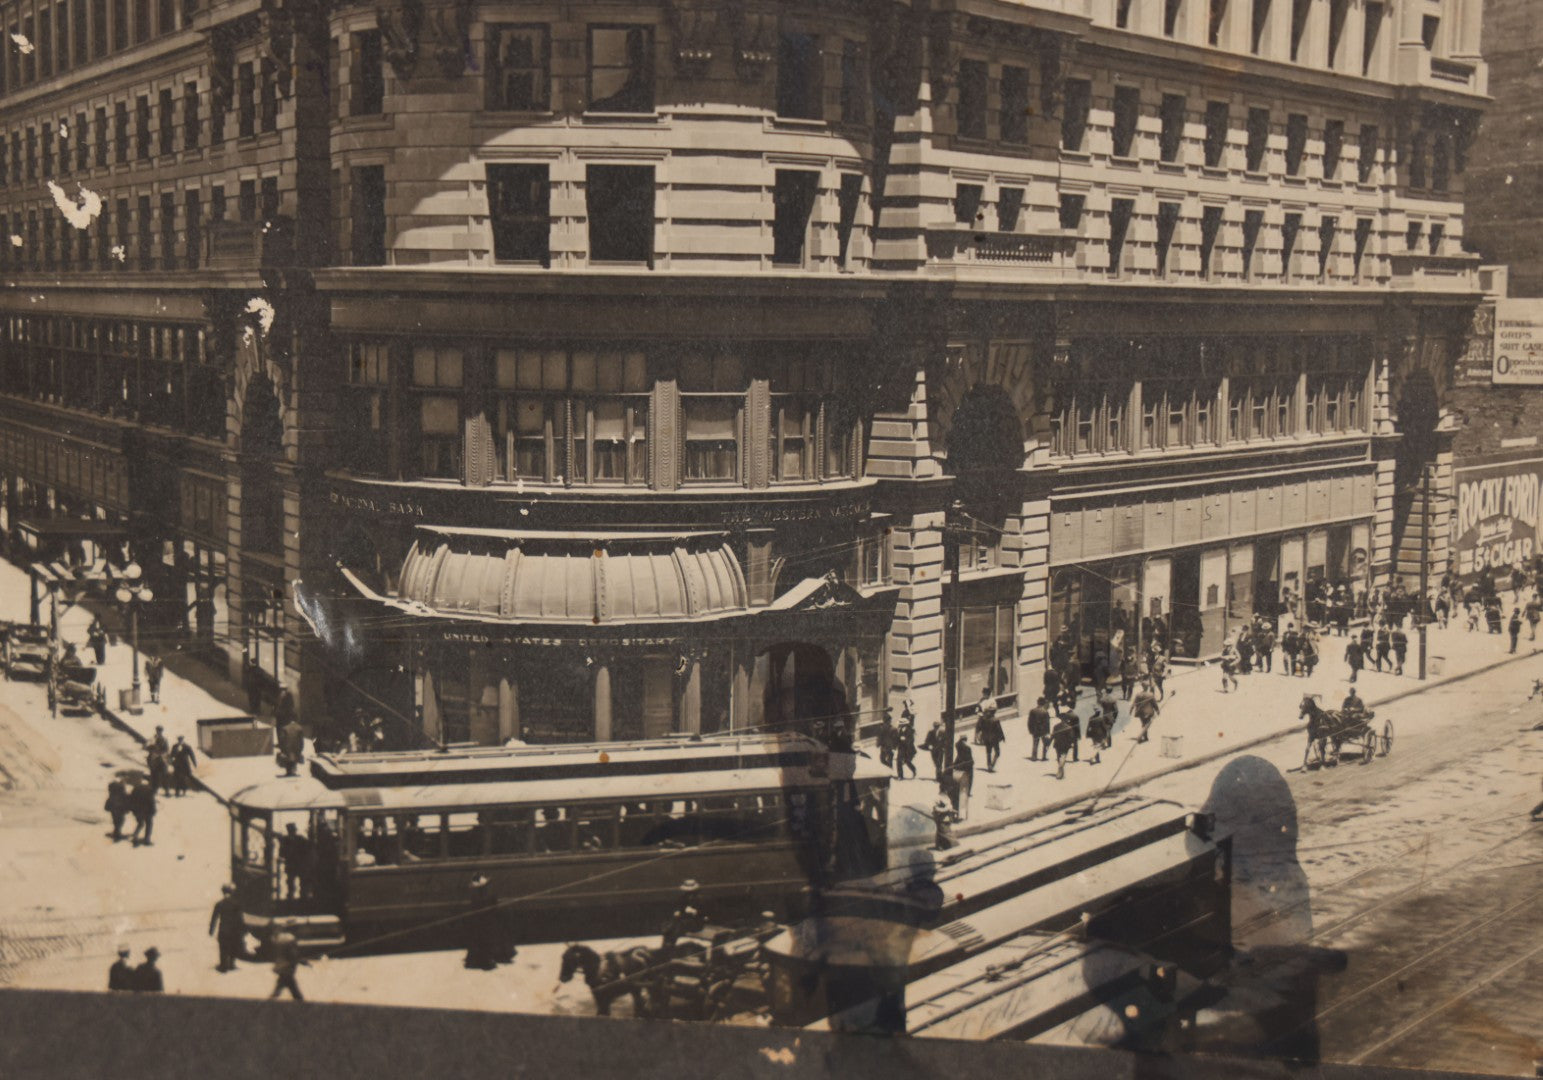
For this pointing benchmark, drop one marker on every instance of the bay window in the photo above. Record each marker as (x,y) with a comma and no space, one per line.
(1090,418)
(1336,390)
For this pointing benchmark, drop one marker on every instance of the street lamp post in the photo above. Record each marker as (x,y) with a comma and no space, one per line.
(953,534)
(132,593)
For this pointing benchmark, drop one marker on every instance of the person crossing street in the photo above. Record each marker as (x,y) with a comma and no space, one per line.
(1145,708)
(228,929)
(182,761)
(1039,731)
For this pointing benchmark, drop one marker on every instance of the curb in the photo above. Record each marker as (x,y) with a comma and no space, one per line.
(112,717)
(1216,755)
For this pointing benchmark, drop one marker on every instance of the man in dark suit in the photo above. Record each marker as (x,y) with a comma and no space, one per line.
(228,928)
(142,806)
(147,977)
(117,805)
(121,975)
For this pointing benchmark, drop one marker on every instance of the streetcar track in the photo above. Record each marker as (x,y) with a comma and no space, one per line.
(1430,1014)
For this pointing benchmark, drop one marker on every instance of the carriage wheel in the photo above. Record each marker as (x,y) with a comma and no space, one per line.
(1387,737)
(1369,747)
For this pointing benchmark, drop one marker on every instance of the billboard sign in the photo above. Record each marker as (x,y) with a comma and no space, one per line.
(1496,520)
(1518,343)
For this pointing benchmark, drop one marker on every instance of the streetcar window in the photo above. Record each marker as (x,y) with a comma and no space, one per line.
(510,832)
(595,828)
(465,836)
(418,836)
(257,844)
(554,830)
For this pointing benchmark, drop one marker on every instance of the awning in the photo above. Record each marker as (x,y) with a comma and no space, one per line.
(70,528)
(569,578)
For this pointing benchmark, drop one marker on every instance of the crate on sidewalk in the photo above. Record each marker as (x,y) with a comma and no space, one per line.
(1437,664)
(1173,746)
(999,796)
(235,736)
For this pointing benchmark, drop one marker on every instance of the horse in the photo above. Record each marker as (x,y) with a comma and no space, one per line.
(1326,727)
(610,975)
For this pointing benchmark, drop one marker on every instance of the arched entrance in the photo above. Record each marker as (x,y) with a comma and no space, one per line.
(796,685)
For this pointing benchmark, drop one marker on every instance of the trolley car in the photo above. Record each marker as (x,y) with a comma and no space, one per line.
(589,841)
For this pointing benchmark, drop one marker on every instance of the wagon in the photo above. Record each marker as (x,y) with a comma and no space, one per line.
(1330,731)
(715,973)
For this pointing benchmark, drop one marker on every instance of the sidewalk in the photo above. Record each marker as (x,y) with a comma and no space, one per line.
(183,701)
(1208,724)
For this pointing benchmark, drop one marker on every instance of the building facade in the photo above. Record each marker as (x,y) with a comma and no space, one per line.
(596,370)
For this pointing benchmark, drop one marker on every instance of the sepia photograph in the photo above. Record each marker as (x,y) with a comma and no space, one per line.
(631,538)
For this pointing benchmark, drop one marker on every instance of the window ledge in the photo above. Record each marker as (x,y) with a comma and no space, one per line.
(505,117)
(627,119)
(1291,180)
(1172,168)
(1079,157)
(1256,177)
(1122,162)
(1218,172)
(367,122)
(797,123)
(1329,184)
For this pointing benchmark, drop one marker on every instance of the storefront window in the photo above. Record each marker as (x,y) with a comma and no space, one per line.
(983,642)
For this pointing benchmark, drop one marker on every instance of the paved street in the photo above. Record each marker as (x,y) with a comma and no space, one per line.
(1420,866)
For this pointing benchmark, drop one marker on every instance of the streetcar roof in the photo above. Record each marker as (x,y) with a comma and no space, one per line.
(307,793)
(480,764)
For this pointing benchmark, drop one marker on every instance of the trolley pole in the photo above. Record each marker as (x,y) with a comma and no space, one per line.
(1420,621)
(953,533)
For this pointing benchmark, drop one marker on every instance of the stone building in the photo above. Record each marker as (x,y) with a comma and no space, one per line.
(588,370)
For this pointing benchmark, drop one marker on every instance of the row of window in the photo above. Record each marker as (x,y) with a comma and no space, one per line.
(620,74)
(100,140)
(1442,151)
(1258,15)
(1188,396)
(555,416)
(52,38)
(158,374)
(131,232)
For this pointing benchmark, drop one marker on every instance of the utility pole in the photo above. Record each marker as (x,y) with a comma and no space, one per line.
(953,535)
(1424,560)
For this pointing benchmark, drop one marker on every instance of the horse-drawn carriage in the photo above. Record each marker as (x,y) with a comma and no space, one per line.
(26,652)
(1329,731)
(709,974)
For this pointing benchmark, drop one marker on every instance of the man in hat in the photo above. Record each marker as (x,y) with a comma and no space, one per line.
(936,744)
(1145,708)
(687,919)
(963,773)
(228,928)
(1039,731)
(291,735)
(142,806)
(147,977)
(96,637)
(182,760)
(905,744)
(117,805)
(295,852)
(1063,738)
(943,818)
(154,668)
(121,975)
(156,752)
(286,961)
(988,729)
(480,912)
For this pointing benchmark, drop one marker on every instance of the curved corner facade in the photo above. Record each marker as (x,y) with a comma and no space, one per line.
(578,371)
